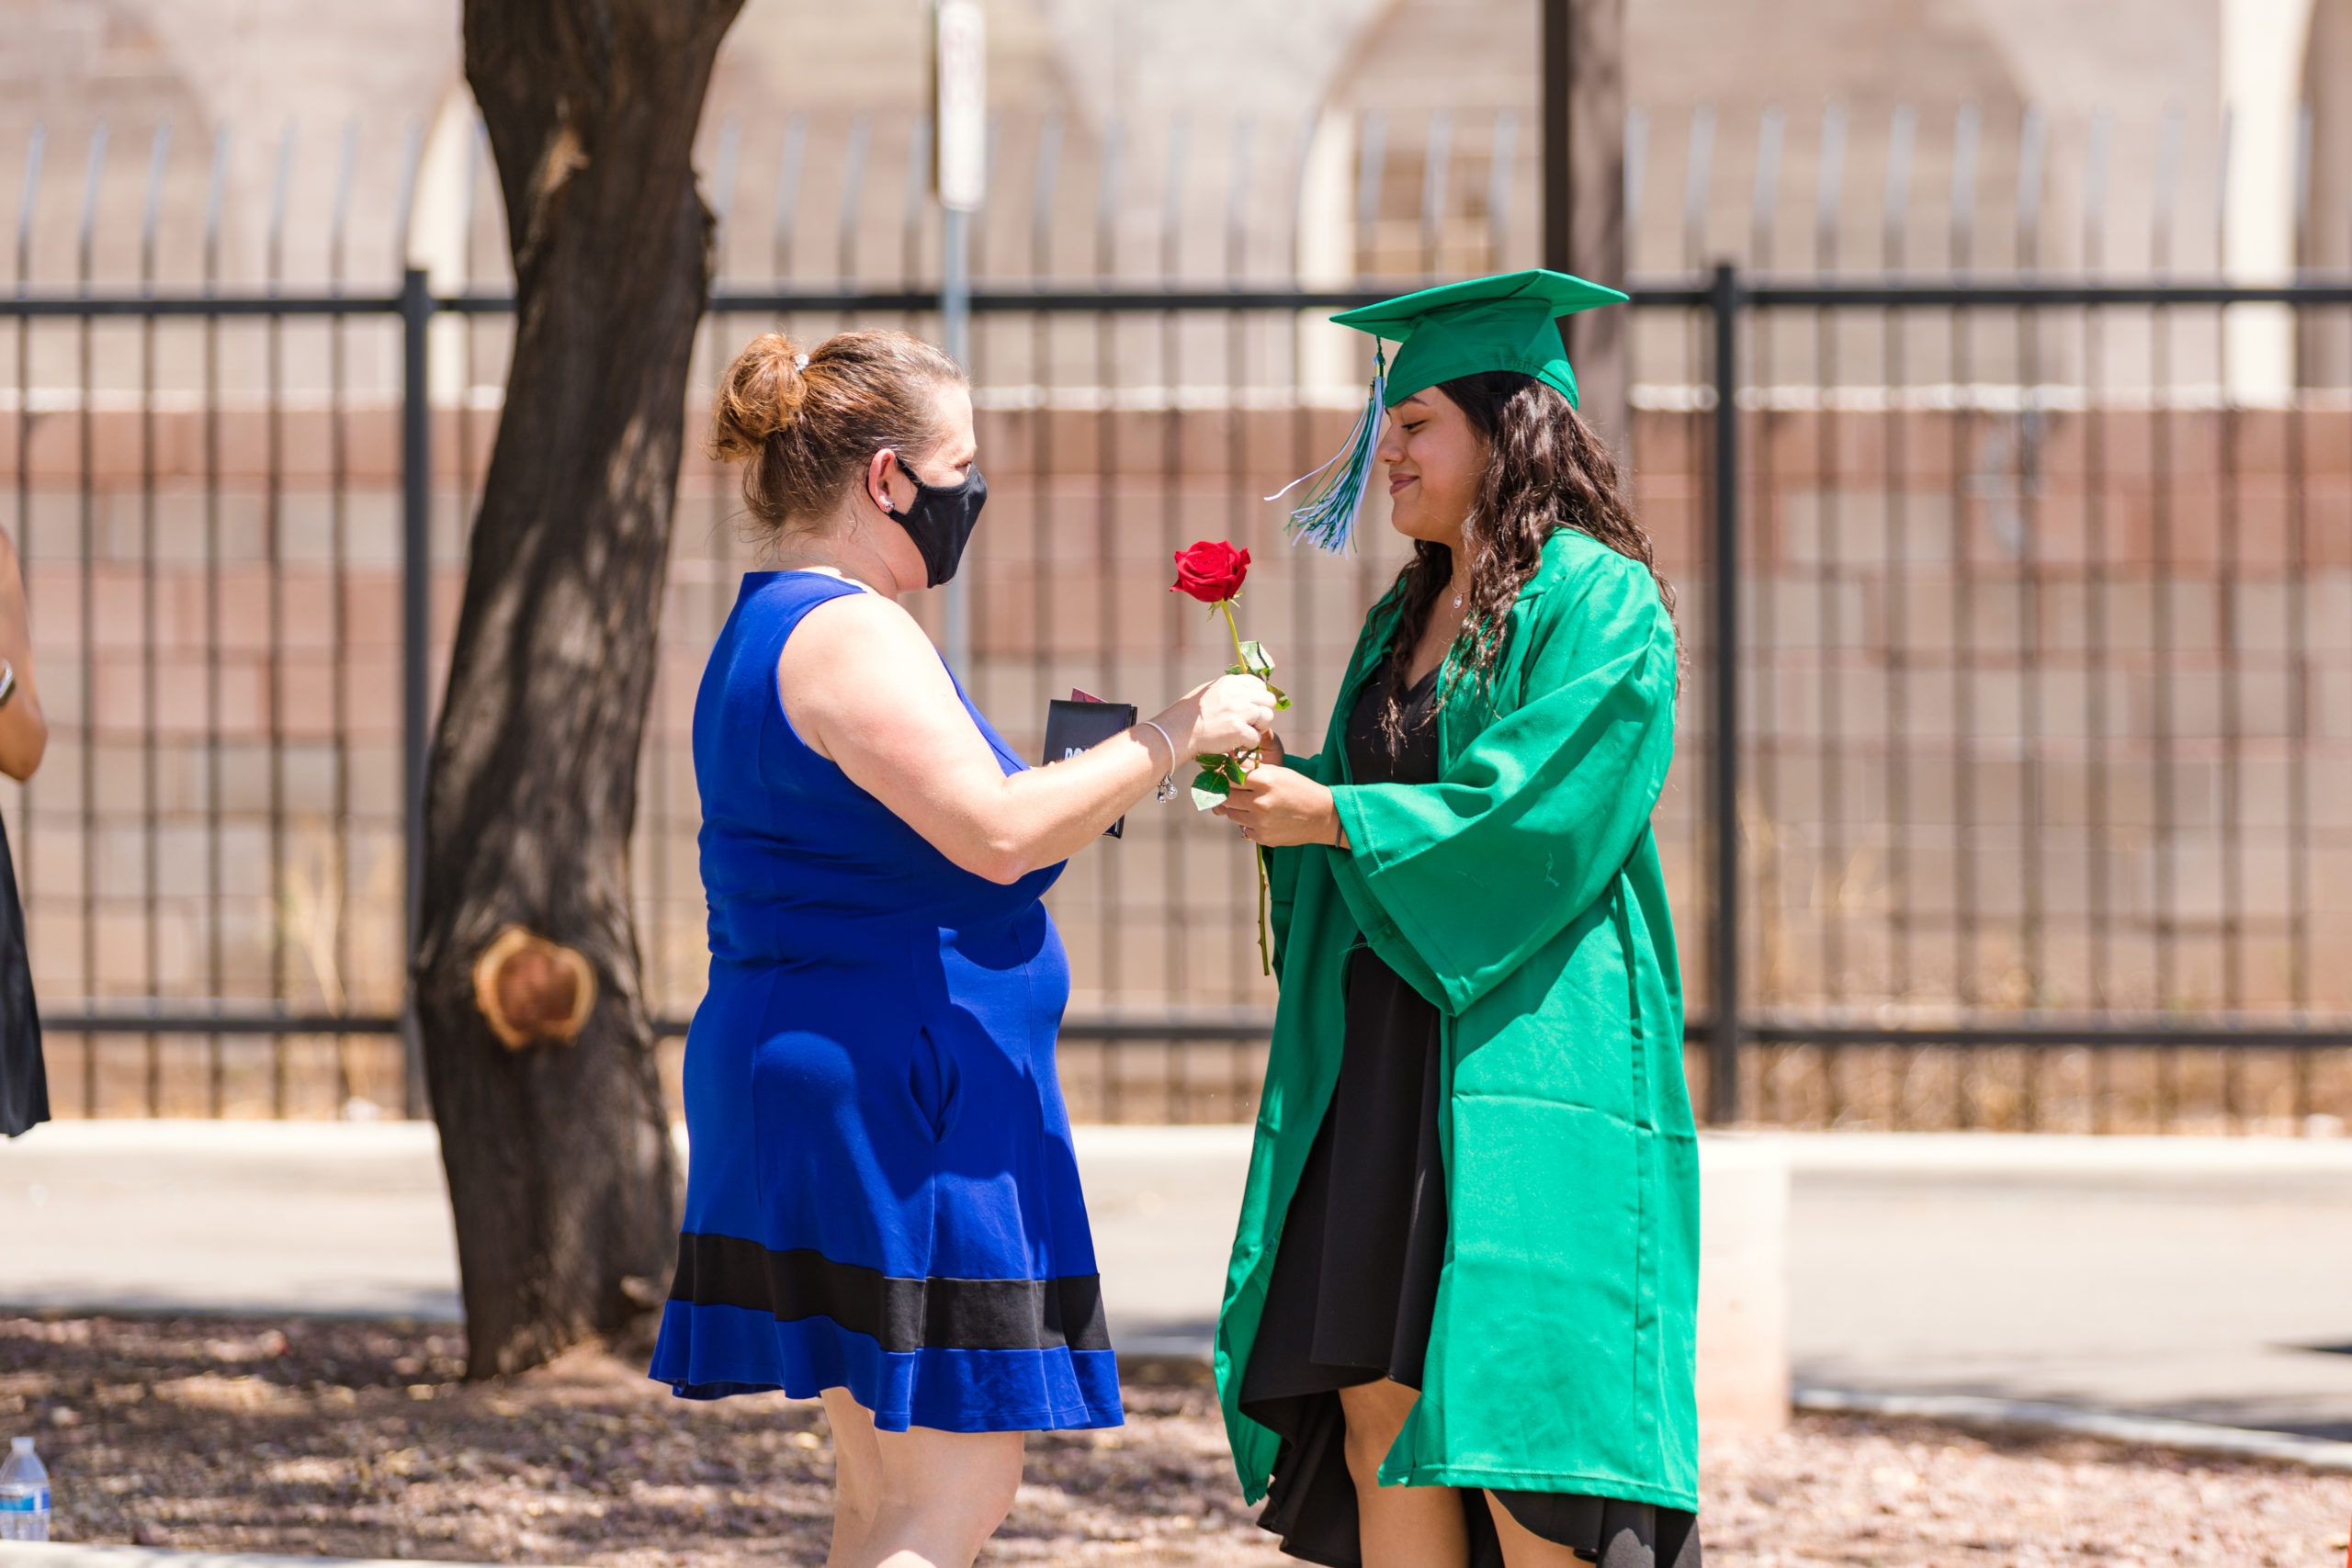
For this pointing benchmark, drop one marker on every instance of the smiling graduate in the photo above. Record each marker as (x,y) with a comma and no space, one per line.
(1458,1319)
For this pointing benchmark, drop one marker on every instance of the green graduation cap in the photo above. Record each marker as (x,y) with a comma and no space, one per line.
(1508,322)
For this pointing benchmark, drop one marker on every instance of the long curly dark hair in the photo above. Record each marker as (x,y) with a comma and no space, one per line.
(1546,469)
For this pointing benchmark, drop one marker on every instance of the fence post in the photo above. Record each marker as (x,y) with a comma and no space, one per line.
(416,567)
(1723,1072)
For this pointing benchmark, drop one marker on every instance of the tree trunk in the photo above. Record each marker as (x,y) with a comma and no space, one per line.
(1584,196)
(553,1132)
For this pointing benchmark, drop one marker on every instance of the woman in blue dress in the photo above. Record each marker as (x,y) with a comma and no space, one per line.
(882,1202)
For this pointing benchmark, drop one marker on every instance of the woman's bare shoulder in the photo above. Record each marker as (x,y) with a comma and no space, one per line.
(857,626)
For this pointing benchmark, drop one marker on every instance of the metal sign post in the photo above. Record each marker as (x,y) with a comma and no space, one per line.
(959,170)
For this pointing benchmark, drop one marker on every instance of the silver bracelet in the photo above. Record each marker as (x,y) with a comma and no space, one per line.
(1167,790)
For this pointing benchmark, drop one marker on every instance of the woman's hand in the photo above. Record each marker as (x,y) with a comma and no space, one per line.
(1276,806)
(1231,713)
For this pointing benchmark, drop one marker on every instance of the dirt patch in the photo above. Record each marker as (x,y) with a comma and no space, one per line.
(360,1440)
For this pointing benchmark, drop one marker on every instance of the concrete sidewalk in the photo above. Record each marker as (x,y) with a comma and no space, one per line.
(2191,1279)
(351,1219)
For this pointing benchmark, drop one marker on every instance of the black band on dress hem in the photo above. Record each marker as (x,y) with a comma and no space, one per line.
(903,1314)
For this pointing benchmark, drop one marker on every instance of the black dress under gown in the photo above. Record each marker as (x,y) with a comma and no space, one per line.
(1355,1286)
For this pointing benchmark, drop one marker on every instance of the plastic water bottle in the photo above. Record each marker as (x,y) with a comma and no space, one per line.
(24,1494)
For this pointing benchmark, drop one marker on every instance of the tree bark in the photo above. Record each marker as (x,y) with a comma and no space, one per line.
(562,1176)
(1584,196)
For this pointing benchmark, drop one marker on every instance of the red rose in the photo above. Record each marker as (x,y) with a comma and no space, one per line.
(1210,571)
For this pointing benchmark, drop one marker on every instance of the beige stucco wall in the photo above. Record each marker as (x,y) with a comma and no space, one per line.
(1140,141)
(256,66)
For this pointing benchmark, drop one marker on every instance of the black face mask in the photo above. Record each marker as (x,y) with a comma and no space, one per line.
(941,518)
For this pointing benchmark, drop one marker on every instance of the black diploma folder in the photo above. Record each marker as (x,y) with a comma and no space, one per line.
(1080,724)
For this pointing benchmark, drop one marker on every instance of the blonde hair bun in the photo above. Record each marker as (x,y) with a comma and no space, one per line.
(760,396)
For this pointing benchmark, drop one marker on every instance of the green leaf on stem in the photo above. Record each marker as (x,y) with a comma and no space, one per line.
(1209,790)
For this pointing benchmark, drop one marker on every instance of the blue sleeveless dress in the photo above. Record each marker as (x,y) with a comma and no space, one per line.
(881,1194)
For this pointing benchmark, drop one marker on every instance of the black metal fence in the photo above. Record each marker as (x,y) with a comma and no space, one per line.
(2020,678)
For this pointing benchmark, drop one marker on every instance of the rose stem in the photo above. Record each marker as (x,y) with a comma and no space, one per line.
(1265,958)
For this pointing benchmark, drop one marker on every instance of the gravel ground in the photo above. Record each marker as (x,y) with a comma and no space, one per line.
(357,1439)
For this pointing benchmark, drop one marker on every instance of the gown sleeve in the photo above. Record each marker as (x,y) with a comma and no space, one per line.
(1457,882)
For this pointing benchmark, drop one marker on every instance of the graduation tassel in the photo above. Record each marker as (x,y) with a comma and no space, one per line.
(1327,518)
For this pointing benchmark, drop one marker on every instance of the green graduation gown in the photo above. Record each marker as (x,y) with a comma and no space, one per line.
(1521,894)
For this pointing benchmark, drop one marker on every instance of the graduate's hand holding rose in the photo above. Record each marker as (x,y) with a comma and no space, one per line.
(1276,806)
